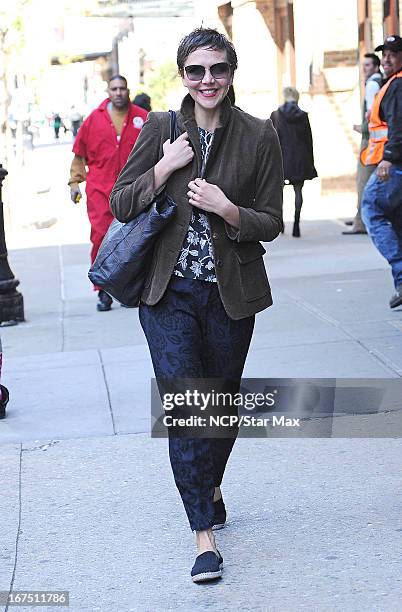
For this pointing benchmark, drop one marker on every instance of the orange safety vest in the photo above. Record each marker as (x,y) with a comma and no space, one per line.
(378,129)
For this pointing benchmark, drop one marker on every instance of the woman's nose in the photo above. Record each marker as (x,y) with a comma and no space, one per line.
(208,78)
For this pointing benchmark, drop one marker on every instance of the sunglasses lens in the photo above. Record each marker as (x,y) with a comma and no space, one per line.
(220,70)
(195,73)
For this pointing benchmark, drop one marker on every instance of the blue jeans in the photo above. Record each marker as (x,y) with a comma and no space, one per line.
(190,335)
(382,216)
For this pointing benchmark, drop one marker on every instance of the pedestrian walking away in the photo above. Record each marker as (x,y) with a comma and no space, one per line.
(57,123)
(207,278)
(382,198)
(75,120)
(103,144)
(294,131)
(373,83)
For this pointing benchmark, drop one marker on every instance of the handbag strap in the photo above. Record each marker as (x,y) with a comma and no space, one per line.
(174,130)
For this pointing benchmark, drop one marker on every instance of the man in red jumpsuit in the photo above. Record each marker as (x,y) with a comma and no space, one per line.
(102,146)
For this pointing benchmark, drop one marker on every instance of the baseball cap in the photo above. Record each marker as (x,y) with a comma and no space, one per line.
(391,43)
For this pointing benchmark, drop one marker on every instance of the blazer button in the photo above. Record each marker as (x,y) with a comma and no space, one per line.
(219,263)
(215,236)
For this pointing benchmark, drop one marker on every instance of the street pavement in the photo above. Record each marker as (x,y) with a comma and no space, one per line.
(88,501)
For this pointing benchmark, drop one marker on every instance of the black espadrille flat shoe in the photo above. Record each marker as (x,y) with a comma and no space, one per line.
(207,566)
(220,514)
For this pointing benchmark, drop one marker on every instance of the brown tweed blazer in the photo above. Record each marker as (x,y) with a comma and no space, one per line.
(246,163)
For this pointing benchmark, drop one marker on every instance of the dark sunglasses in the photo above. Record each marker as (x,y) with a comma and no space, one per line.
(197,73)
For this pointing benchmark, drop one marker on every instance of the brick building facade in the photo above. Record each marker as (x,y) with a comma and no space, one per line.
(315,46)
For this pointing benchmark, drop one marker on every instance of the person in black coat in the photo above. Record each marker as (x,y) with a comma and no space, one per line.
(294,131)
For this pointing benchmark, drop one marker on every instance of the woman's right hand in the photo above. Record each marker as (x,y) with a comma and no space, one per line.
(177,154)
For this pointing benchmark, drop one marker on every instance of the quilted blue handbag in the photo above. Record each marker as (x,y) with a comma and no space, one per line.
(124,257)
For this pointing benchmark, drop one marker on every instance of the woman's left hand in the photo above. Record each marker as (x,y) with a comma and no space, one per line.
(208,197)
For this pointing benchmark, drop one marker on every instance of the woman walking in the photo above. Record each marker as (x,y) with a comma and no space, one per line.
(207,278)
(294,131)
(57,123)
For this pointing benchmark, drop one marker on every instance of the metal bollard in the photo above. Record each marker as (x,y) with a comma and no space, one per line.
(11,300)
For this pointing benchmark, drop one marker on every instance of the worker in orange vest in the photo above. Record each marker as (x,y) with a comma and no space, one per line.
(382,198)
(373,82)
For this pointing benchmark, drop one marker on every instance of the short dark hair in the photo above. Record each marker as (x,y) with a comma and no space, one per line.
(117,76)
(207,38)
(143,100)
(375,59)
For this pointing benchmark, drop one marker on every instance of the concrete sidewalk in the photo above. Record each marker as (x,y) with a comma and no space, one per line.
(65,365)
(88,498)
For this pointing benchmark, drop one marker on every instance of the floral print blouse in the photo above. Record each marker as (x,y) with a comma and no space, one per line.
(196,259)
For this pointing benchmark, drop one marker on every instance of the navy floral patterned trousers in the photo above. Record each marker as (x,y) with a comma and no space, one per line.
(190,335)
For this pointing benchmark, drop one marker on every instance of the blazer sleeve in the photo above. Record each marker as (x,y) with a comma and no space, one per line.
(134,189)
(263,220)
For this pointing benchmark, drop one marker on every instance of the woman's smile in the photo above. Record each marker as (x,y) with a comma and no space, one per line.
(208,93)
